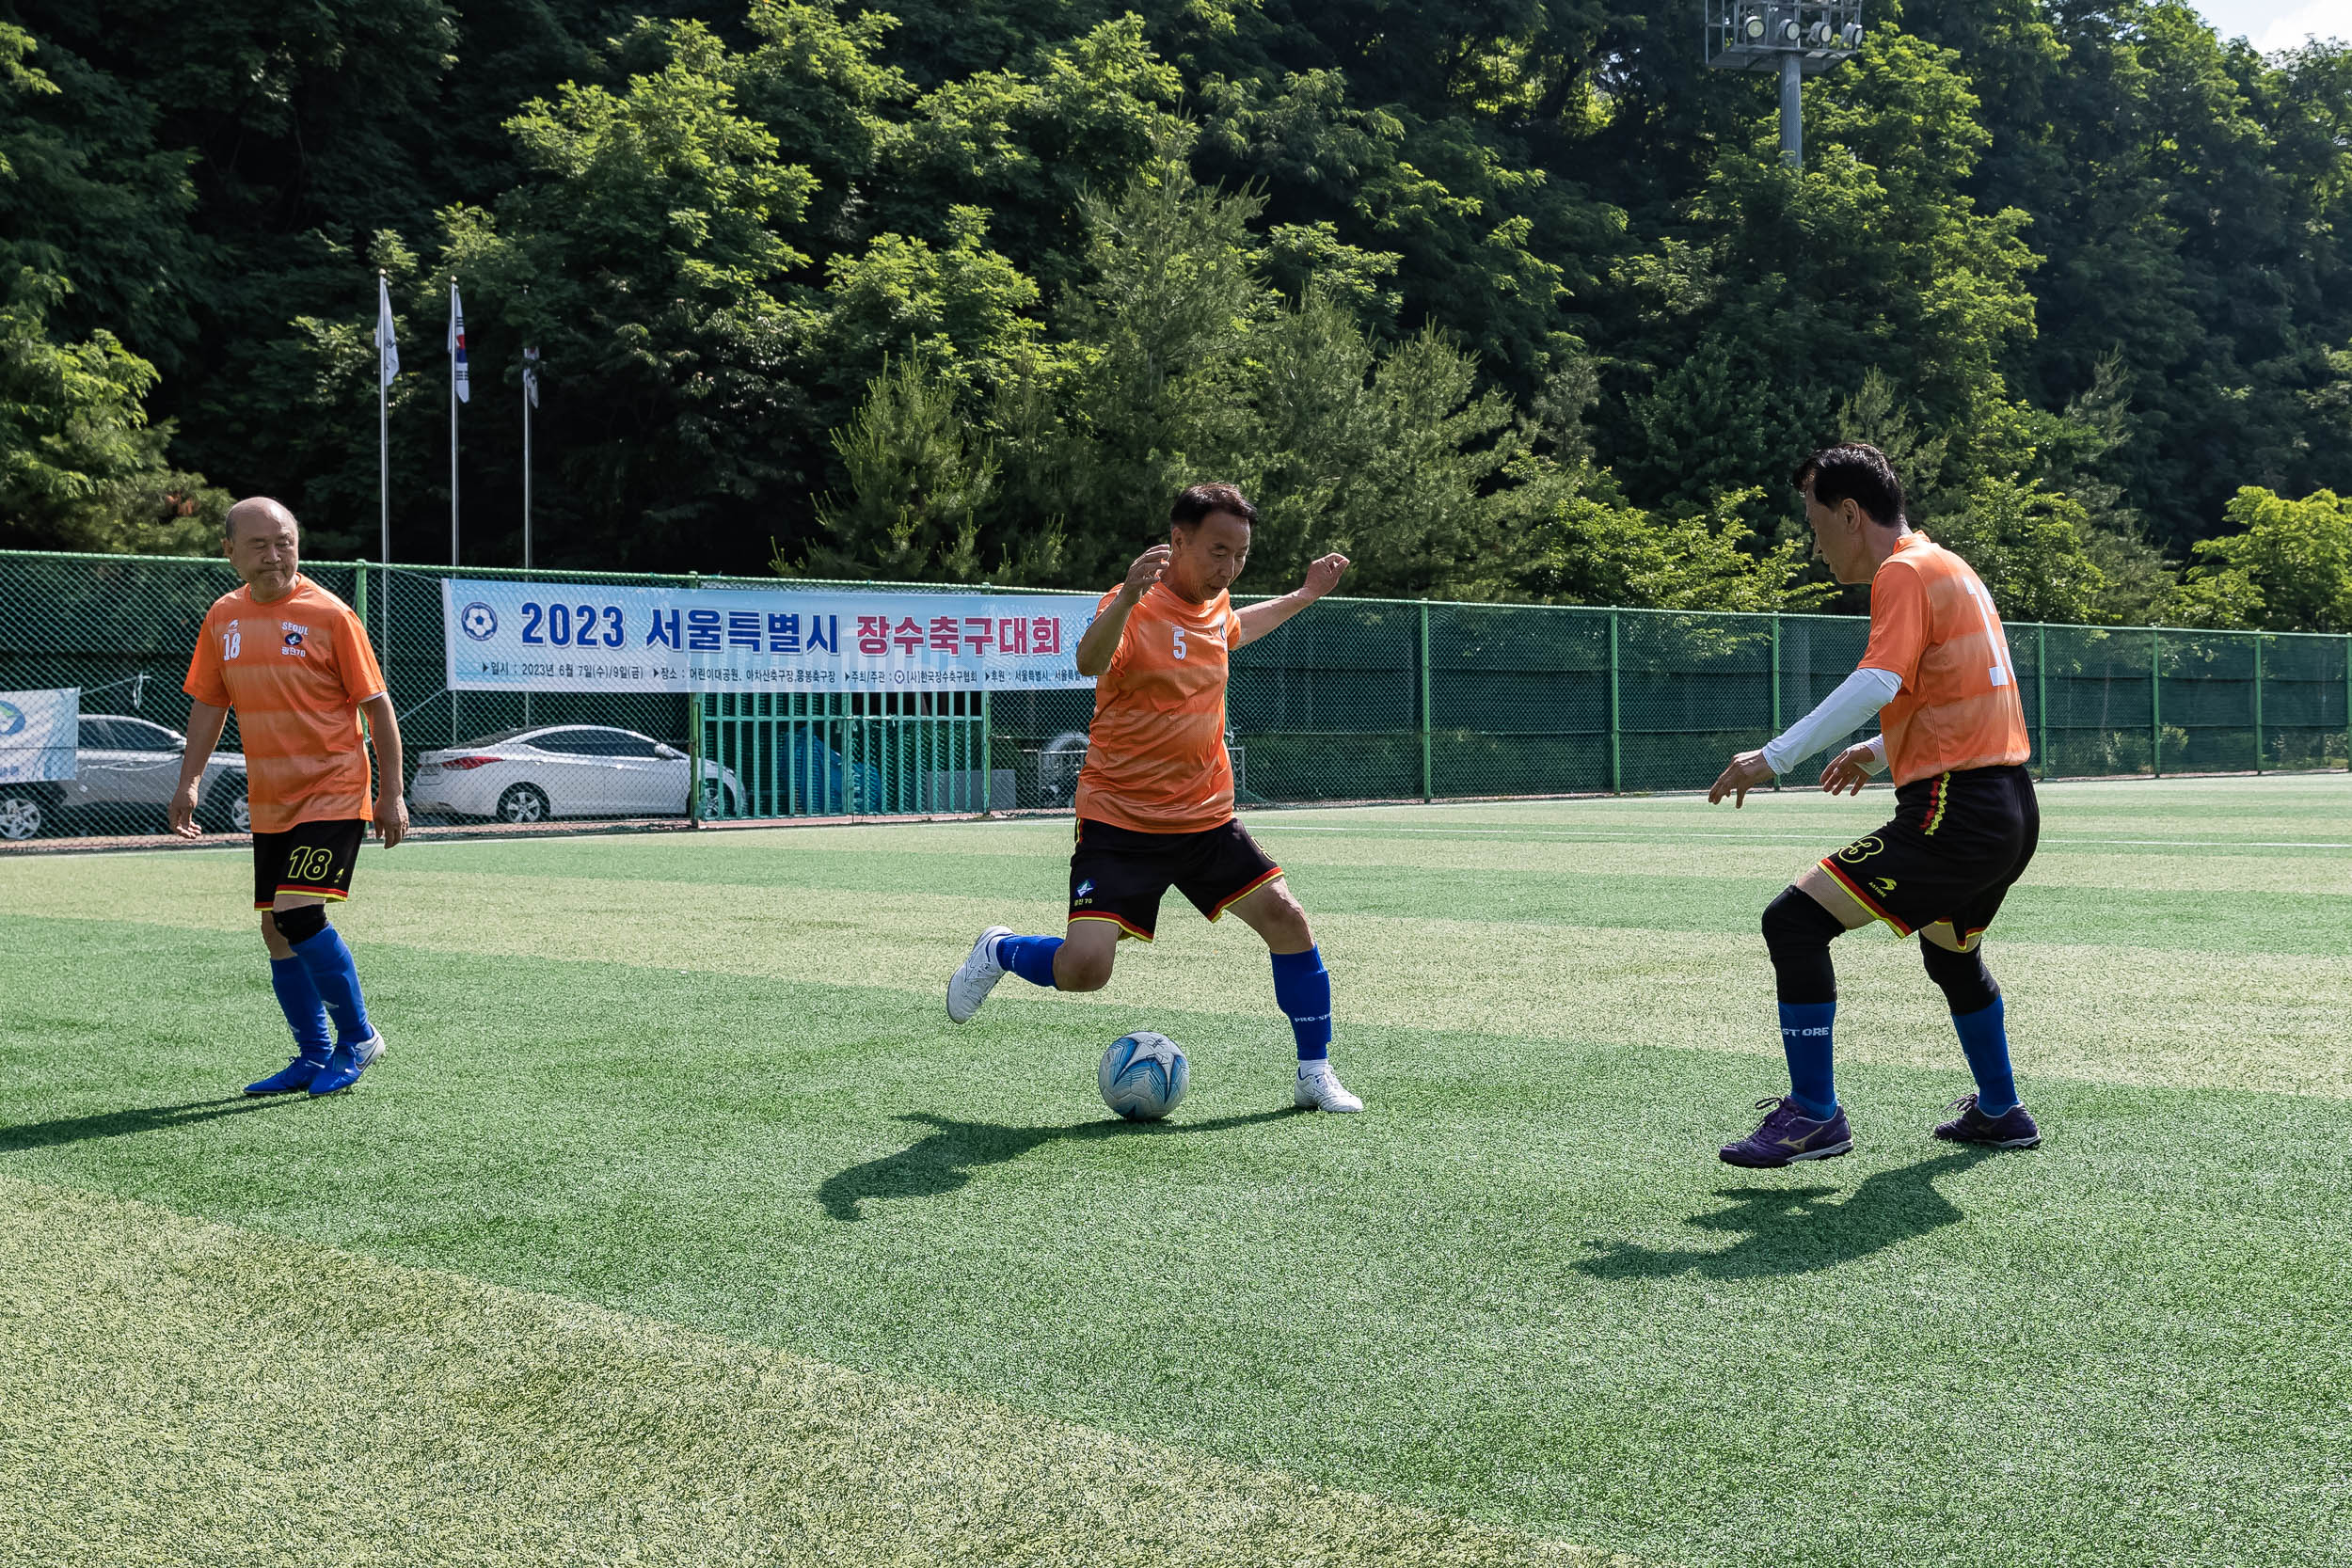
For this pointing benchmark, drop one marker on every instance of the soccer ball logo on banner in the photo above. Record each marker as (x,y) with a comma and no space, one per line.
(480,622)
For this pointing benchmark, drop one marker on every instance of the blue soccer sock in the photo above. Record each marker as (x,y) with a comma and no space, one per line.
(337,980)
(1984,1040)
(306,1015)
(1804,1035)
(1031,957)
(1302,988)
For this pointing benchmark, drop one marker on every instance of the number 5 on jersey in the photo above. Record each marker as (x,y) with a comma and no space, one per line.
(1180,641)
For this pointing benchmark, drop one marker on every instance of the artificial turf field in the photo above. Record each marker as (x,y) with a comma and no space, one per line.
(680,1226)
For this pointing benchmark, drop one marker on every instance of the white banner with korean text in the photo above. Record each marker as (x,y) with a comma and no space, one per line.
(514,636)
(39,733)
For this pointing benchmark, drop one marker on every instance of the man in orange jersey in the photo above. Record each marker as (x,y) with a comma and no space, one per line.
(293,661)
(1155,797)
(1937,672)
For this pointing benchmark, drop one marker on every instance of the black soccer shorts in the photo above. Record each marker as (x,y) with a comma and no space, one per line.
(1118,875)
(1958,843)
(315,858)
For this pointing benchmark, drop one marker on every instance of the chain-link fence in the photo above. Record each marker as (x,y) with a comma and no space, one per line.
(1357,699)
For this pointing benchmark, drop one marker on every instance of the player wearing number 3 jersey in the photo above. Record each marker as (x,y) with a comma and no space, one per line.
(293,661)
(1937,672)
(1155,797)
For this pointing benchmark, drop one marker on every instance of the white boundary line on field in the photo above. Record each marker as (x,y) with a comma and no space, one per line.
(1263,825)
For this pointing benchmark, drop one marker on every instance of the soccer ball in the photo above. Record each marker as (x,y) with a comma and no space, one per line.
(1143,1075)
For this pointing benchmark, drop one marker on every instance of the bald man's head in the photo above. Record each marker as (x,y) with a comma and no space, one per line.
(265,545)
(257,510)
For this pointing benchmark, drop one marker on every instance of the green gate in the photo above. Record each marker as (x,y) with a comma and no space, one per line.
(850,753)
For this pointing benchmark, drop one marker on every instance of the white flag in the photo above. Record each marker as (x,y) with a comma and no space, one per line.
(387,351)
(457,344)
(531,375)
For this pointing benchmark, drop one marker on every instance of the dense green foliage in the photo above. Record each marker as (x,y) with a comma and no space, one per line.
(1507,297)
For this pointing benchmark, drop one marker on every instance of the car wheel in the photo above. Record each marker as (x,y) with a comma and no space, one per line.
(228,811)
(23,813)
(715,801)
(523,803)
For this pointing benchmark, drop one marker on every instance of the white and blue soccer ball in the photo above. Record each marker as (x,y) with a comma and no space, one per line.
(1143,1075)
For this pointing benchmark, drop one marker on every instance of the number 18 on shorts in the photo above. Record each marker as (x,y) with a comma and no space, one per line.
(310,859)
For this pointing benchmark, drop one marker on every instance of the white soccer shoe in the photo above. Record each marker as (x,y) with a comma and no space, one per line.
(970,984)
(1319,1089)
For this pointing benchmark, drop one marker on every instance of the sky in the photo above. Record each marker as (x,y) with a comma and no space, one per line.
(2275,24)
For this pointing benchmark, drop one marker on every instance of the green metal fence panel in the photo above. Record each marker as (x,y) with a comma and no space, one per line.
(1357,699)
(2305,715)
(1328,707)
(2102,701)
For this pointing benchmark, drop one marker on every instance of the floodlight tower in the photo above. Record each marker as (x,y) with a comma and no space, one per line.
(1795,38)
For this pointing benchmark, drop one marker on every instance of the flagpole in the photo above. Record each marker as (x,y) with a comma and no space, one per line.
(526,468)
(453,425)
(384,445)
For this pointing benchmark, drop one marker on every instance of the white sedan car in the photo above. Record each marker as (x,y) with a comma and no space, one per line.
(530,775)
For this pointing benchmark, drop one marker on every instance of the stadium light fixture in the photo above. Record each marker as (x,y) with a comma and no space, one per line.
(1792,39)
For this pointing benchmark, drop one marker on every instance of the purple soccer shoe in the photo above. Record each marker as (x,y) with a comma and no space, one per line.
(2013,1129)
(1789,1135)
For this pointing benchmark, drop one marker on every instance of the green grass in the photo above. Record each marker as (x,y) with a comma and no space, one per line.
(706,1084)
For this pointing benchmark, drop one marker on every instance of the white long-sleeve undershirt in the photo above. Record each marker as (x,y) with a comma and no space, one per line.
(1859,696)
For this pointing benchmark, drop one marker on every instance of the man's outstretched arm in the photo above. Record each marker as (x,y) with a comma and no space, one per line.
(1861,695)
(1322,577)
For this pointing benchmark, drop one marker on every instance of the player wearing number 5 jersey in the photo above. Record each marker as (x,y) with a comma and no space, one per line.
(1937,672)
(1155,797)
(293,661)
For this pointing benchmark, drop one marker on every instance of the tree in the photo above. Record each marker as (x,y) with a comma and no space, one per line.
(1594,548)
(81,468)
(2289,569)
(644,251)
(2030,547)
(917,483)
(1796,287)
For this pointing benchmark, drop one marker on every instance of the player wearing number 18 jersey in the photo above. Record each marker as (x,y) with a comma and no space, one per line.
(293,661)
(1937,670)
(1155,797)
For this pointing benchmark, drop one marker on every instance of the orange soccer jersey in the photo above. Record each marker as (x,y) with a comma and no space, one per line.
(1932,627)
(296,670)
(1155,753)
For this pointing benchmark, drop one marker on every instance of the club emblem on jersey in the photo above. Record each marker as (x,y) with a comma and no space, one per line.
(295,635)
(478,621)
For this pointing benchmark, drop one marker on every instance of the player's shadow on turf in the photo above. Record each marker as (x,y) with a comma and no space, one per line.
(1800,1229)
(140,1119)
(939,1163)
